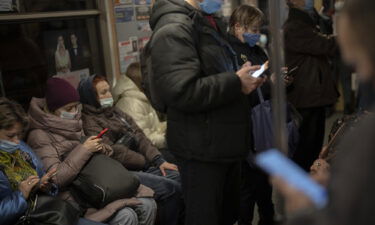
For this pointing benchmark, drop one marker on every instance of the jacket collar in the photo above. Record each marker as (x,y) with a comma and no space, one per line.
(234,40)
(40,119)
(98,112)
(300,15)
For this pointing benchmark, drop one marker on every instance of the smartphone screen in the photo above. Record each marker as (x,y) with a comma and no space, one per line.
(276,164)
(259,72)
(291,71)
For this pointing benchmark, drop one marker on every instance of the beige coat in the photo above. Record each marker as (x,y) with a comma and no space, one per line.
(133,102)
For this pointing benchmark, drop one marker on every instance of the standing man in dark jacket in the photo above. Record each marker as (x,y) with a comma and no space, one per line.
(208,123)
(314,87)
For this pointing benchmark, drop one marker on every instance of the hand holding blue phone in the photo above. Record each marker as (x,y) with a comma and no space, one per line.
(276,164)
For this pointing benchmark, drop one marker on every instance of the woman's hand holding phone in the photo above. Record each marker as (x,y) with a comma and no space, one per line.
(249,83)
(93,144)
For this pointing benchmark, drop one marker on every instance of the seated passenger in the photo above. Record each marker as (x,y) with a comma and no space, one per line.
(132,101)
(131,146)
(55,135)
(320,169)
(21,171)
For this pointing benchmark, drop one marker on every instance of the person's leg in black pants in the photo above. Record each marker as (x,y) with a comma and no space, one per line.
(311,136)
(247,204)
(255,189)
(231,198)
(263,194)
(211,192)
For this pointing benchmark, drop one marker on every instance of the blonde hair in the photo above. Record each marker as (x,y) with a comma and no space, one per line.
(245,15)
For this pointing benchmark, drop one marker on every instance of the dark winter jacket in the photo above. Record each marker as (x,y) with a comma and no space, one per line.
(256,56)
(194,67)
(95,119)
(307,48)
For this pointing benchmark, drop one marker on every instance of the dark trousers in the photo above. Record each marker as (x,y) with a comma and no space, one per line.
(311,136)
(168,193)
(211,191)
(255,189)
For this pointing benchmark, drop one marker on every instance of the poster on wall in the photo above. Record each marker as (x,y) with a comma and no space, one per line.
(142,42)
(227,8)
(123,2)
(143,12)
(75,77)
(9,5)
(124,14)
(127,59)
(67,51)
(142,2)
(134,44)
(144,26)
(125,47)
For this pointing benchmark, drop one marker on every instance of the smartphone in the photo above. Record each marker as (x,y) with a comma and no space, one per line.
(54,174)
(259,72)
(291,71)
(276,164)
(100,135)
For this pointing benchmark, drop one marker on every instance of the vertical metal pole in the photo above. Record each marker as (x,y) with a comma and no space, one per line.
(2,90)
(276,8)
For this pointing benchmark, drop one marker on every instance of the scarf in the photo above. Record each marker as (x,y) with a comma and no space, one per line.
(17,166)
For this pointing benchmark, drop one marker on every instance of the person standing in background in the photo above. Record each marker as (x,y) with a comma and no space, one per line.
(244,27)
(314,86)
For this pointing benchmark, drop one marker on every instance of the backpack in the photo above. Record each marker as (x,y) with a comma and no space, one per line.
(148,77)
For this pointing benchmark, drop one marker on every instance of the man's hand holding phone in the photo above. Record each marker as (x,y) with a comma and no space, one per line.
(249,83)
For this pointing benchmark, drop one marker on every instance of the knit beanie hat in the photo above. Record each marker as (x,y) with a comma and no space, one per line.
(59,93)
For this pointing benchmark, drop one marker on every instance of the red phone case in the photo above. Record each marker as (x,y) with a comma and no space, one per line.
(102,133)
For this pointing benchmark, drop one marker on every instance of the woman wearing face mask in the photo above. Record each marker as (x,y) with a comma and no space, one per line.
(138,153)
(21,171)
(244,26)
(56,134)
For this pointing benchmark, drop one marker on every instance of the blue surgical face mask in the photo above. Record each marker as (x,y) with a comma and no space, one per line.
(106,102)
(251,39)
(68,115)
(9,146)
(309,5)
(211,6)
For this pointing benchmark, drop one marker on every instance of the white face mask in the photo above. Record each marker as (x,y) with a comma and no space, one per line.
(68,115)
(263,40)
(106,102)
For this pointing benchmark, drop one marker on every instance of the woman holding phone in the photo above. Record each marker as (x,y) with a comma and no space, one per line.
(244,34)
(21,172)
(57,137)
(131,146)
